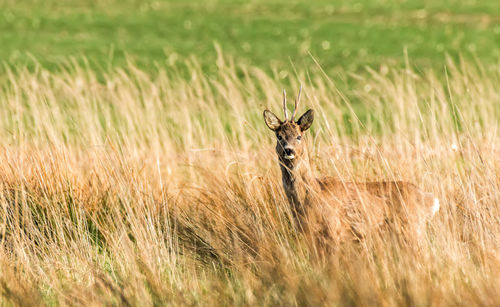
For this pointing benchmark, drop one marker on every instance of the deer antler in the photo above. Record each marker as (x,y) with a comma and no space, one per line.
(297,101)
(284,105)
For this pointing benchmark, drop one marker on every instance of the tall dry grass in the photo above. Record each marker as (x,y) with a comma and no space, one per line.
(136,188)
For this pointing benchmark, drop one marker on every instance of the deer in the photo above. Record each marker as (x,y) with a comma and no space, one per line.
(332,209)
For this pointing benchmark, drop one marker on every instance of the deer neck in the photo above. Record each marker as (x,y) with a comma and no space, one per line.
(298,181)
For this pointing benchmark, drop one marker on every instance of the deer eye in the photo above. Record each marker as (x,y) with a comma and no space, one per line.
(299,138)
(279,137)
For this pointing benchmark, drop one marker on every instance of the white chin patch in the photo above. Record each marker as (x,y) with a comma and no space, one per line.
(290,157)
(436,206)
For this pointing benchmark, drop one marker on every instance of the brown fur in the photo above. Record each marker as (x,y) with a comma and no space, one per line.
(329,209)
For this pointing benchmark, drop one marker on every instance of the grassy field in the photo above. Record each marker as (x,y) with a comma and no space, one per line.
(136,167)
(343,34)
(149,190)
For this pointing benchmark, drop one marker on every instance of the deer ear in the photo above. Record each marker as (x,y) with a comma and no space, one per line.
(272,121)
(306,120)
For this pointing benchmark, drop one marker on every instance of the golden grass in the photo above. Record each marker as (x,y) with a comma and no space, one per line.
(146,189)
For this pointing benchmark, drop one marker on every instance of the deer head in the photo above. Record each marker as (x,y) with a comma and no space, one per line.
(289,133)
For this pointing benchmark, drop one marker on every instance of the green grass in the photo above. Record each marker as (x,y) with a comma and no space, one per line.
(268,34)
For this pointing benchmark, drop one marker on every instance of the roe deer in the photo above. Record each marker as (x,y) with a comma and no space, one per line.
(327,208)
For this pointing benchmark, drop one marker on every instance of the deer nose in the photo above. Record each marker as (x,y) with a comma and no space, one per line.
(288,151)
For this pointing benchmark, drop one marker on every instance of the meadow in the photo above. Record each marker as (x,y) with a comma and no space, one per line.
(343,34)
(151,190)
(144,178)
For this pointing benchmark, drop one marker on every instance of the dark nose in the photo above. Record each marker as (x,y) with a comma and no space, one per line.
(288,151)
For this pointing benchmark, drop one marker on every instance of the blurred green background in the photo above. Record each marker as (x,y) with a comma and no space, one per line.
(341,34)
